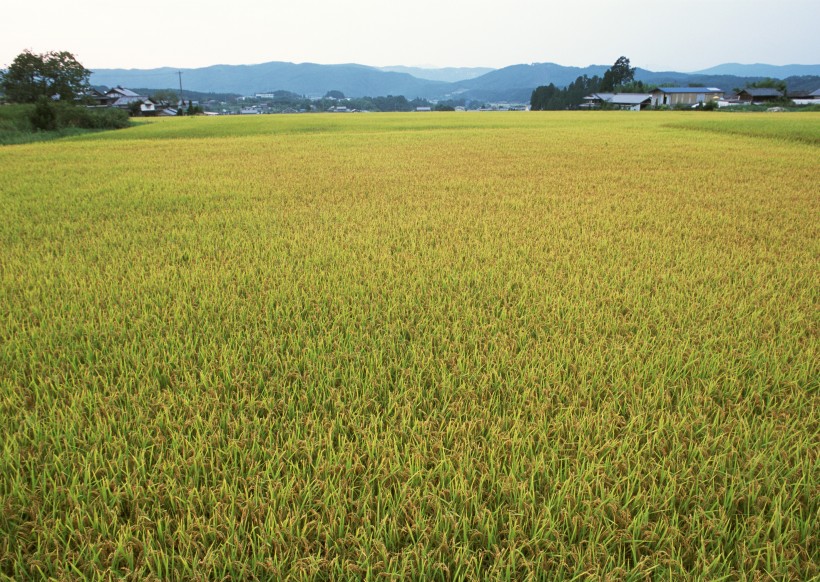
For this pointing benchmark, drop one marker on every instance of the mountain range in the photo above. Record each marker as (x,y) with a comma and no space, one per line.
(513,83)
(763,70)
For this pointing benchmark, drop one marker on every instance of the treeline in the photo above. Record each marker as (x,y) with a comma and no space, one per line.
(285,100)
(399,103)
(552,98)
(620,76)
(281,101)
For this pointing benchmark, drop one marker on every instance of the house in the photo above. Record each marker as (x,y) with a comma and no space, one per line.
(805,97)
(760,95)
(124,98)
(672,96)
(625,101)
(94,98)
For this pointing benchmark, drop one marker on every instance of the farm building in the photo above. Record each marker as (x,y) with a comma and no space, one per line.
(760,95)
(806,97)
(627,101)
(672,96)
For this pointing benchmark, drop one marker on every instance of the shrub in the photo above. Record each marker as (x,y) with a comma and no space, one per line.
(44,116)
(16,118)
(85,118)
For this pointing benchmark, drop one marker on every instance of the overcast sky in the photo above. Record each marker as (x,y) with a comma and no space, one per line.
(682,35)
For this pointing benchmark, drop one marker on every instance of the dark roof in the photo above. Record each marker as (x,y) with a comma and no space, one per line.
(121,91)
(629,98)
(762,92)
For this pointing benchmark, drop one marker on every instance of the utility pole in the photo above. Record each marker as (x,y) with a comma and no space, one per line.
(180,87)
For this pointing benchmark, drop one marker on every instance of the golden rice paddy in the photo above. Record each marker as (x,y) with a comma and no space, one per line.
(428,346)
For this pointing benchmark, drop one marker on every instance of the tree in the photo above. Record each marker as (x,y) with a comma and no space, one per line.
(43,117)
(550,97)
(135,108)
(165,97)
(334,94)
(31,76)
(638,87)
(618,74)
(778,84)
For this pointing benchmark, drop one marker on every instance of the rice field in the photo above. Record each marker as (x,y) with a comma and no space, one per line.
(428,346)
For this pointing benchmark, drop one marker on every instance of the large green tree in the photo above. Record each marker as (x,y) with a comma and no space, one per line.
(32,76)
(618,74)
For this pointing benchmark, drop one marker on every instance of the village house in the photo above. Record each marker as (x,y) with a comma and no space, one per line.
(760,95)
(94,98)
(672,96)
(124,98)
(806,98)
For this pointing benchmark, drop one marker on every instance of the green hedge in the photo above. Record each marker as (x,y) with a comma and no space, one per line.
(86,118)
(25,123)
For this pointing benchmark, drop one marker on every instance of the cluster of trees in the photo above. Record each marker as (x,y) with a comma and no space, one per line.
(394,103)
(552,98)
(286,100)
(619,77)
(778,84)
(50,86)
(51,75)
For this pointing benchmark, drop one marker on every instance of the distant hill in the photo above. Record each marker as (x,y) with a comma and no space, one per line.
(514,83)
(447,74)
(762,70)
(725,82)
(305,79)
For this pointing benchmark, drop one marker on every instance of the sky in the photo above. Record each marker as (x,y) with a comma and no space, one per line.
(680,35)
